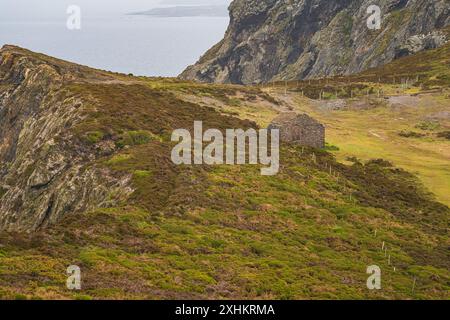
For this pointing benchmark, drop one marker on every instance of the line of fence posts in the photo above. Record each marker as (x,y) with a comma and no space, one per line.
(384,249)
(404,83)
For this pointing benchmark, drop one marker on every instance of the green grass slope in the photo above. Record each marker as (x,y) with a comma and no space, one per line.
(398,112)
(227,232)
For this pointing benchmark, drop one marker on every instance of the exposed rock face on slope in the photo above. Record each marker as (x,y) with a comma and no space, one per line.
(67,132)
(274,40)
(419,43)
(45,171)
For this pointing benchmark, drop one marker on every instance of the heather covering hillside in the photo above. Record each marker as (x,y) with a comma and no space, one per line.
(86,172)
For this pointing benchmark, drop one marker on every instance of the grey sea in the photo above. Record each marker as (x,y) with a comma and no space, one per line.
(141,45)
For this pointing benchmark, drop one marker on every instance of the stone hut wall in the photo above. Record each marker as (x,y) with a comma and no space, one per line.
(301,129)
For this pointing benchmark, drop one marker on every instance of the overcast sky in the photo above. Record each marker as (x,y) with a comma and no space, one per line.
(50,9)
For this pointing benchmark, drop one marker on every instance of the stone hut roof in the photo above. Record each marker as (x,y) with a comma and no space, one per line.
(300,128)
(292,118)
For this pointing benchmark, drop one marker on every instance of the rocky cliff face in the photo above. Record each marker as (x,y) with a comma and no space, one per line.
(45,171)
(74,139)
(296,39)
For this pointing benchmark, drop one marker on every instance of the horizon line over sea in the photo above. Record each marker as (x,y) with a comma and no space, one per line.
(137,44)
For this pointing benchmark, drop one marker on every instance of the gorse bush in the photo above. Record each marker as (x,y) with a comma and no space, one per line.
(428,125)
(134,138)
(444,134)
(94,137)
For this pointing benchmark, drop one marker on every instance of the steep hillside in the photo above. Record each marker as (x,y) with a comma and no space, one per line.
(54,130)
(285,40)
(92,150)
(43,168)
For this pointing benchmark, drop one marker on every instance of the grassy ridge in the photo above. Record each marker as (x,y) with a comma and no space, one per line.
(226,231)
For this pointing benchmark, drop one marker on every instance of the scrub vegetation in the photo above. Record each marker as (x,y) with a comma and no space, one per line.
(226,232)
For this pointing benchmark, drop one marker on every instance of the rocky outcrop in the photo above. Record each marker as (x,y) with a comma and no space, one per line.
(300,129)
(296,39)
(45,170)
(419,43)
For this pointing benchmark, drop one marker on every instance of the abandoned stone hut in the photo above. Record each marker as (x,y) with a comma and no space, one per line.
(300,128)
